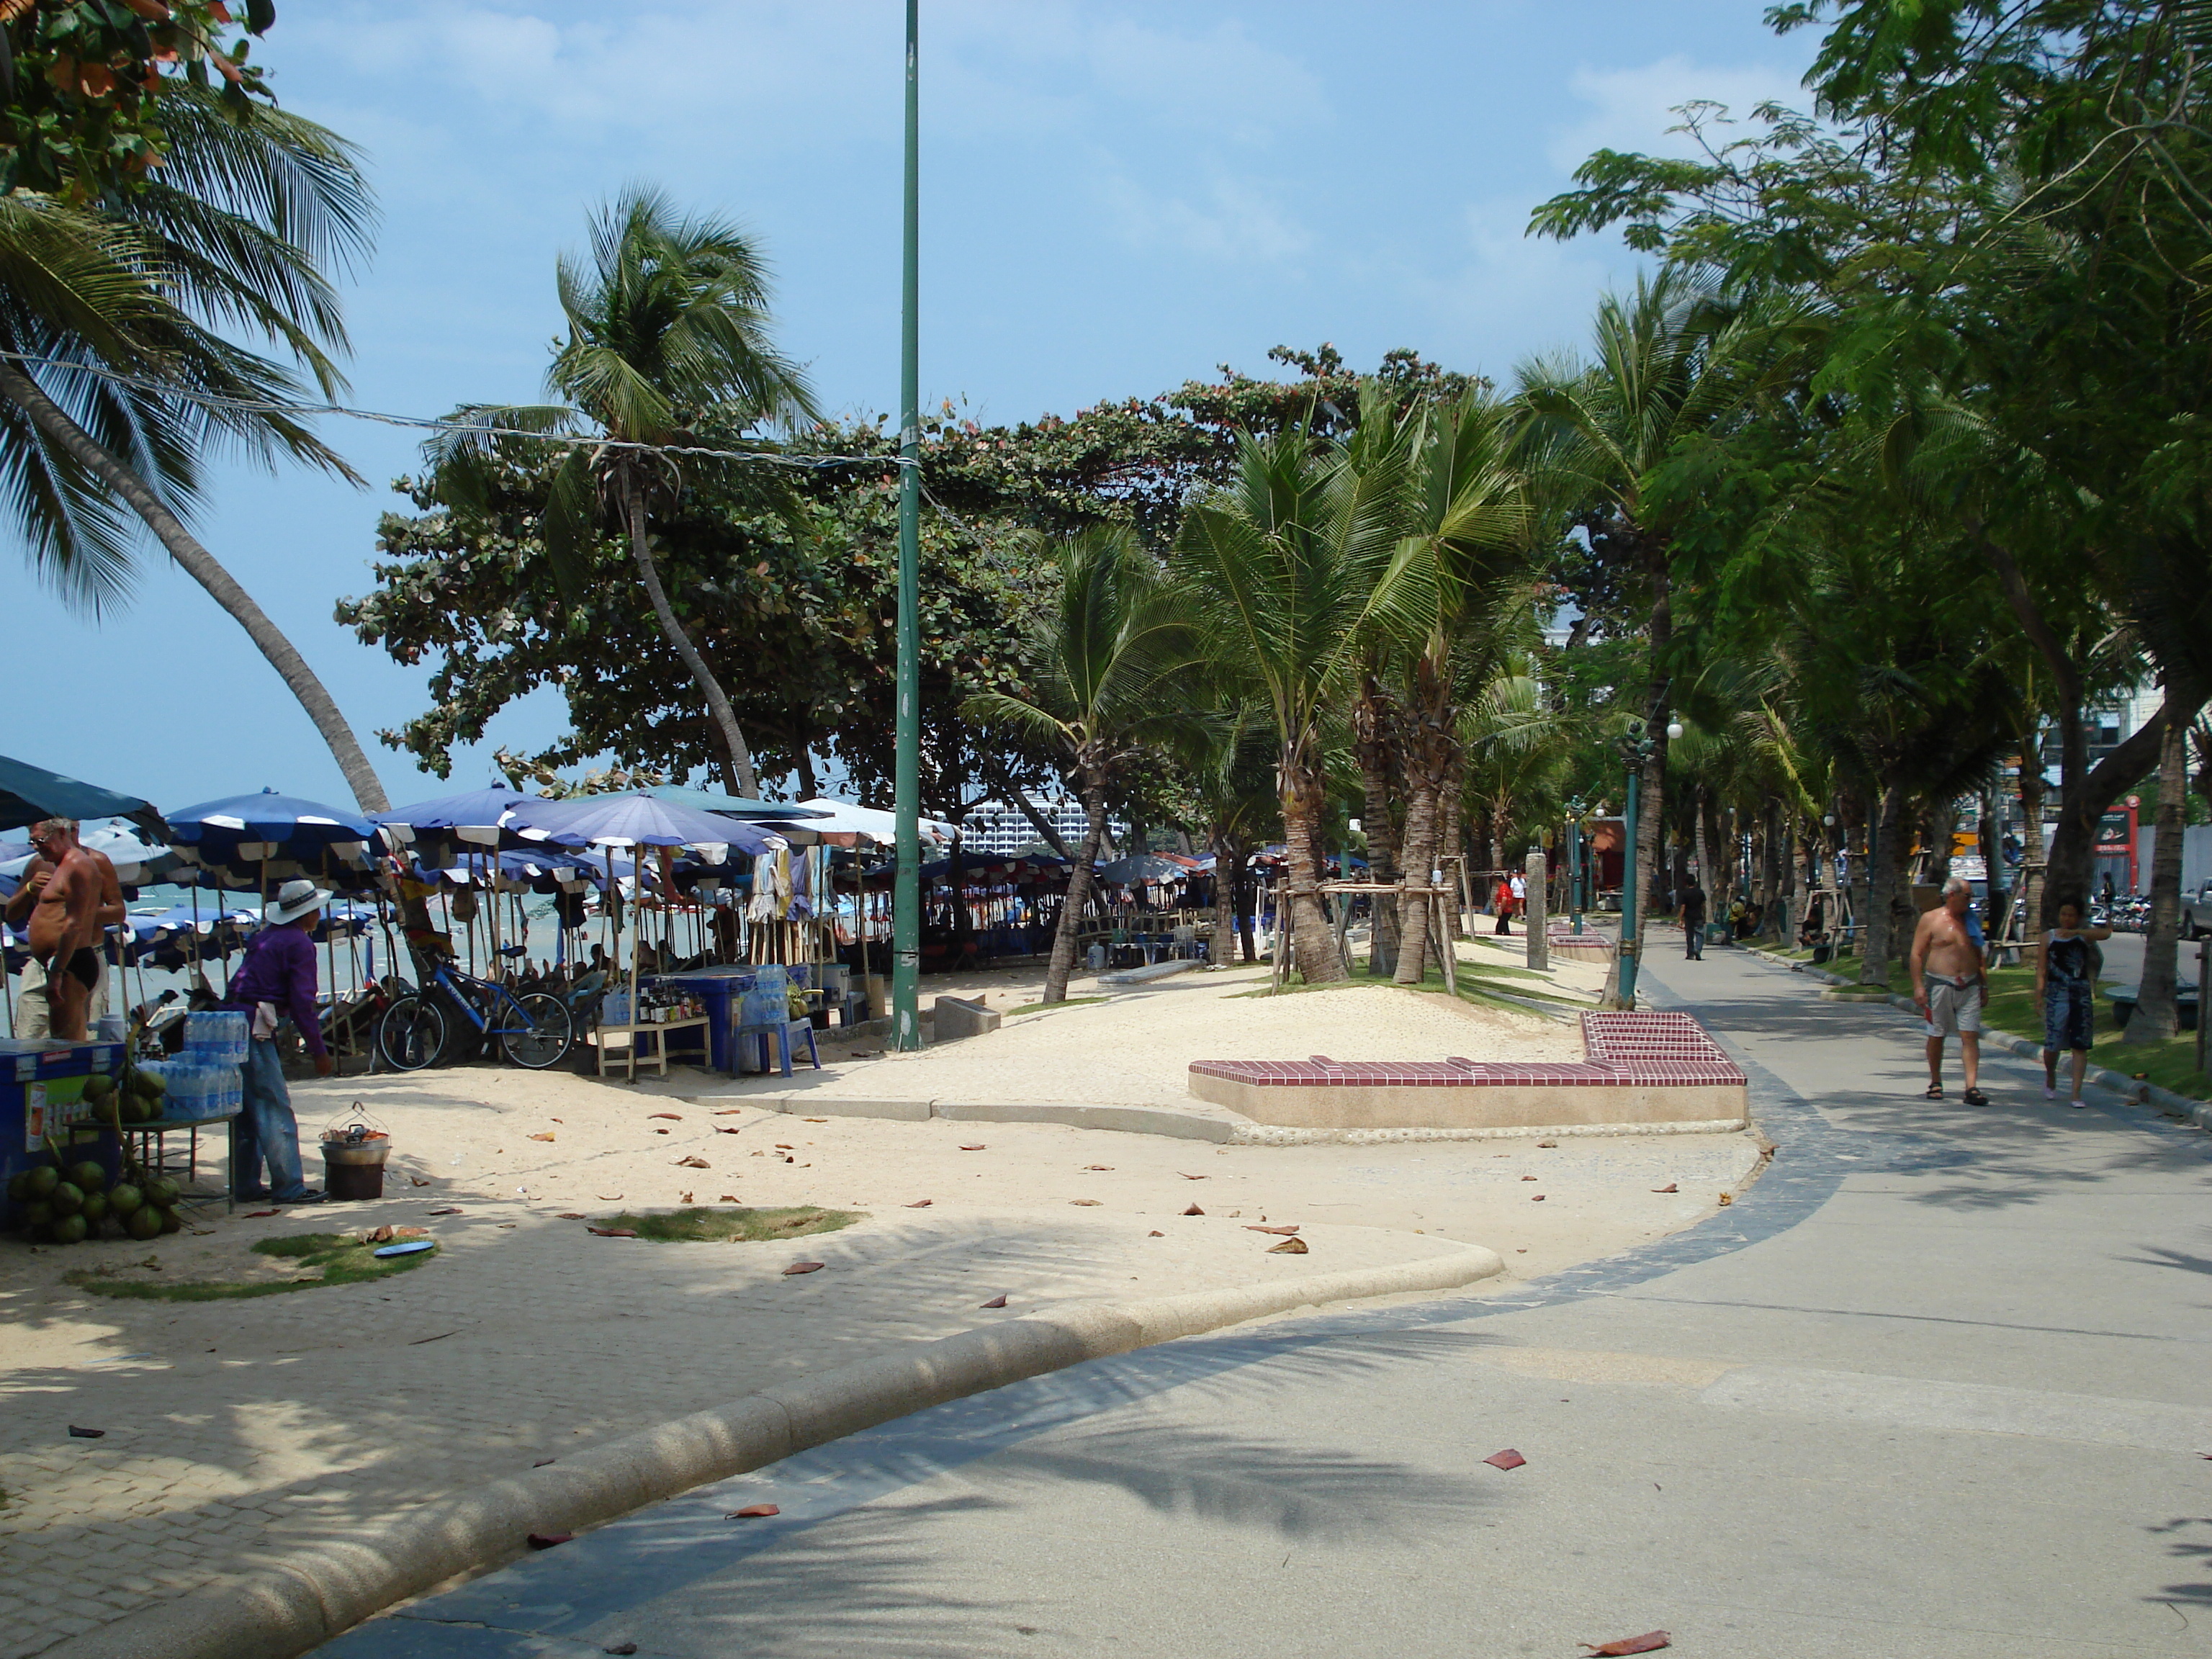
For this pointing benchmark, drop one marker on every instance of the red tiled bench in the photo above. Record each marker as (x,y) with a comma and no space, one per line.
(1639,1068)
(1588,946)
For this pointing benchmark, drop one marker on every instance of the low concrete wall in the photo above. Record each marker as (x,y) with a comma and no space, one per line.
(1489,1106)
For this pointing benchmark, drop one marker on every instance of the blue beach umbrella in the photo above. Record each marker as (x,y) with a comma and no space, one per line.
(633,820)
(269,836)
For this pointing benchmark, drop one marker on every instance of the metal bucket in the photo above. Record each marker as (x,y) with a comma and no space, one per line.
(352,1165)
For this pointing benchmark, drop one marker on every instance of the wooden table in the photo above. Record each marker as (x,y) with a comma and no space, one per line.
(634,1056)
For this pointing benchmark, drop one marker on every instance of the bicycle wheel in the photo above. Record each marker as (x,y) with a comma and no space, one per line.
(411,1035)
(550,1032)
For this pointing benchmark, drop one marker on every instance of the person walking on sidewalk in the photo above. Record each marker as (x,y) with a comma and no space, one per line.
(2066,971)
(1694,921)
(1501,902)
(277,980)
(1950,984)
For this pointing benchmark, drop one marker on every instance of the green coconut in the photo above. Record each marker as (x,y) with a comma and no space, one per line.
(67,1199)
(71,1229)
(98,1087)
(88,1176)
(162,1192)
(143,1223)
(94,1208)
(19,1187)
(44,1180)
(38,1214)
(169,1222)
(125,1200)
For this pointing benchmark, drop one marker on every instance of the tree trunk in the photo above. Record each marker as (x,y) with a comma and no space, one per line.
(2155,1017)
(1652,806)
(2085,791)
(718,703)
(1882,865)
(1313,943)
(1714,897)
(1420,861)
(1451,842)
(1227,856)
(200,566)
(1078,894)
(1377,767)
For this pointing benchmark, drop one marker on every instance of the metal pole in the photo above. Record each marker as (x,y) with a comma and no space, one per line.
(906,898)
(1628,890)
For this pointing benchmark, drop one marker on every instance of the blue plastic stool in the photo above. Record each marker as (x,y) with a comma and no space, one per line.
(782,1035)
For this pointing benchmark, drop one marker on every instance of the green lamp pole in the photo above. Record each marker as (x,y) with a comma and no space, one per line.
(1636,748)
(906,773)
(1575,811)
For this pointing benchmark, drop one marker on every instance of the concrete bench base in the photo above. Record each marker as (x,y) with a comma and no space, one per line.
(1641,1068)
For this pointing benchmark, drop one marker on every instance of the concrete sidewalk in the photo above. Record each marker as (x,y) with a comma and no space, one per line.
(1936,1385)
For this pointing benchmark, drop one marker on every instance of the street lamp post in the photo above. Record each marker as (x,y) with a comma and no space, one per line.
(906,769)
(1575,810)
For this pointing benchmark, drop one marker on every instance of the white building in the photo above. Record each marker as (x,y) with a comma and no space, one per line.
(998,826)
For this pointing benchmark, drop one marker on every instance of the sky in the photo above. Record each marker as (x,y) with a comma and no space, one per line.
(1116,197)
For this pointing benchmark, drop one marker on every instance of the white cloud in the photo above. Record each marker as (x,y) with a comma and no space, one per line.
(1223,218)
(1632,109)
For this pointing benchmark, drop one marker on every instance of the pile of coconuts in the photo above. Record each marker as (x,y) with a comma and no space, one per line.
(67,1203)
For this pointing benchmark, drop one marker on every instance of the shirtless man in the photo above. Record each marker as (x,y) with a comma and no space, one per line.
(64,925)
(1950,984)
(34,1015)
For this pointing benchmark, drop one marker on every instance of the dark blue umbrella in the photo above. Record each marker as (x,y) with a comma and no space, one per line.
(269,836)
(484,811)
(742,806)
(28,794)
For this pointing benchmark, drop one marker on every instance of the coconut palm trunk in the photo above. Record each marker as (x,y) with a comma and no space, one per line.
(1313,943)
(718,700)
(1078,893)
(1372,745)
(203,567)
(1420,854)
(2156,1016)
(1883,866)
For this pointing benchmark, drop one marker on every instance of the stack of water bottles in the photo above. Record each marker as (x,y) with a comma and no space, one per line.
(768,1002)
(207,1071)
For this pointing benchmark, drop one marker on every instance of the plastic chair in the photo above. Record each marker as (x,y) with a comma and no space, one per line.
(782,1034)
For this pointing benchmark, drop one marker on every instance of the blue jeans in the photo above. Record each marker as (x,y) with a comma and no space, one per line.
(275,1131)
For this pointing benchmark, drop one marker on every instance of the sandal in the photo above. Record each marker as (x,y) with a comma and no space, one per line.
(1934,1092)
(1975,1098)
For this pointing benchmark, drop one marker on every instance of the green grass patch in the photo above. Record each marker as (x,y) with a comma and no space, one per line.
(338,1258)
(730,1224)
(1065,1002)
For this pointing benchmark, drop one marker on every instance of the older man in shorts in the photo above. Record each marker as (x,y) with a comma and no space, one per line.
(1950,984)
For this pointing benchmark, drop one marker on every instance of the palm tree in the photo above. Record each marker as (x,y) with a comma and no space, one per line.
(1284,572)
(116,385)
(669,318)
(1108,668)
(1671,365)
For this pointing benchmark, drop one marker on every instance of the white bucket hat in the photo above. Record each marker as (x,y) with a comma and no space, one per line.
(295,899)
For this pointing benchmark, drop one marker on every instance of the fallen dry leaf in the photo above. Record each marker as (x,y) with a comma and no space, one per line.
(571,1215)
(1727,1199)
(546,1540)
(1193,1210)
(1288,1246)
(729,1198)
(541,1463)
(1098,1166)
(381,1236)
(609,1198)
(446,1209)
(623,1650)
(417,1181)
(919,1204)
(1155,1233)
(1090,1203)
(677,1116)
(684,1198)
(1650,1642)
(75,1433)
(1547,1143)
(1190,1177)
(753,1512)
(1671,1186)
(1527,1178)
(1535,1198)
(1286,1231)
(727,1129)
(995,1301)
(971,1149)
(693,1162)
(804,1267)
(256,1215)
(731,1111)
(1507,1459)
(814,1119)
(660,1132)
(548,1135)
(612,1233)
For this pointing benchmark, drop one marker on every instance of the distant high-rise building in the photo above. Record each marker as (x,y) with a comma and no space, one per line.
(998,826)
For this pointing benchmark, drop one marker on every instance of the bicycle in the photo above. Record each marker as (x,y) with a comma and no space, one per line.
(535,1029)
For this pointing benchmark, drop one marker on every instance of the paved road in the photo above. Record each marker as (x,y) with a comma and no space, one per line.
(1935,1386)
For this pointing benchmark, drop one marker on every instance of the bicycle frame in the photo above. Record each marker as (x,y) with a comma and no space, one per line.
(451,980)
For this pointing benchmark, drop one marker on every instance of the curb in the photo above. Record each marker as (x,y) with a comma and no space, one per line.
(321,1593)
(1177,1122)
(2198,1112)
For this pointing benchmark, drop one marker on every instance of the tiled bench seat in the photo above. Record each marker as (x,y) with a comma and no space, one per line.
(1641,1068)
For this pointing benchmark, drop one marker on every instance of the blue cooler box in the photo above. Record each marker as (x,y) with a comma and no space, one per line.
(42,1092)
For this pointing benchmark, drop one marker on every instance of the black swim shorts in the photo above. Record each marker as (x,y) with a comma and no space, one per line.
(84,967)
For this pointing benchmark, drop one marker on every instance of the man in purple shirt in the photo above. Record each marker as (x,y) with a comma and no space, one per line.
(276,982)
